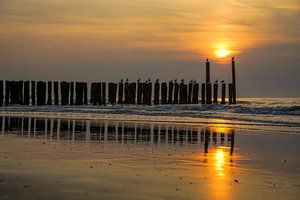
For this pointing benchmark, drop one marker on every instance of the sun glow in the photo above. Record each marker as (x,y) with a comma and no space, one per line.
(222,53)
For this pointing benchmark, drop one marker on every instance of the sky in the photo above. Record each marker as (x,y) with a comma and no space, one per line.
(100,40)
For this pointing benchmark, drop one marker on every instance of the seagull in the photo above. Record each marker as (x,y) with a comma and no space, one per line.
(149,79)
(182,80)
(175,80)
(206,59)
(157,80)
(121,80)
(138,80)
(194,81)
(126,79)
(232,58)
(216,81)
(191,81)
(222,81)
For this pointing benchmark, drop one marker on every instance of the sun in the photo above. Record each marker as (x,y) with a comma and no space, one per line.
(222,53)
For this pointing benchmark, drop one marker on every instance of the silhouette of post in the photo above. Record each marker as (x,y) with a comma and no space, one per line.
(132,93)
(149,92)
(7,92)
(41,93)
(112,91)
(156,92)
(72,93)
(207,63)
(49,101)
(216,92)
(33,94)
(93,94)
(1,93)
(56,100)
(170,97)
(203,93)
(98,94)
(195,99)
(206,140)
(230,93)
(64,90)
(176,93)
(120,92)
(26,93)
(21,93)
(126,92)
(183,93)
(208,93)
(233,81)
(164,93)
(232,142)
(103,91)
(85,93)
(189,98)
(79,93)
(139,93)
(223,93)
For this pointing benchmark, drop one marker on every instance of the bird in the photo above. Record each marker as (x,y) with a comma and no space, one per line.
(191,81)
(182,80)
(206,59)
(175,80)
(222,81)
(157,80)
(121,80)
(139,80)
(126,79)
(232,58)
(216,81)
(149,79)
(194,81)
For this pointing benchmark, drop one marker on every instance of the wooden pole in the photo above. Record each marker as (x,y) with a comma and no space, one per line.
(176,92)
(26,93)
(85,93)
(7,90)
(64,90)
(156,92)
(55,85)
(195,99)
(41,93)
(98,94)
(230,93)
(203,92)
(223,93)
(103,91)
(190,92)
(149,93)
(139,93)
(126,92)
(208,93)
(21,93)
(121,92)
(207,71)
(33,94)
(216,92)
(132,93)
(93,94)
(1,93)
(72,93)
(164,93)
(233,81)
(170,97)
(112,91)
(49,102)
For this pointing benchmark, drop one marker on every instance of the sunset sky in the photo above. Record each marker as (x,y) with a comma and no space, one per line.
(105,40)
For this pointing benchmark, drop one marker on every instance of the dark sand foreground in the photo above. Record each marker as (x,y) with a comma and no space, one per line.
(255,165)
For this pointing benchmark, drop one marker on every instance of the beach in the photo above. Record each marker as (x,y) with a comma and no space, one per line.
(43,157)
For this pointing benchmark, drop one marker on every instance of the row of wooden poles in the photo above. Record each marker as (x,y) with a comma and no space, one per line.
(101,93)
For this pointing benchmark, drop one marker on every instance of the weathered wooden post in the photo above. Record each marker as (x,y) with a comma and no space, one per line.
(195,99)
(183,93)
(208,93)
(1,93)
(164,93)
(55,85)
(203,92)
(139,92)
(72,93)
(26,93)
(41,93)
(145,92)
(112,91)
(233,81)
(126,92)
(33,94)
(85,93)
(21,93)
(190,92)
(230,93)
(170,97)
(103,95)
(93,94)
(149,92)
(223,93)
(64,90)
(207,64)
(156,92)
(216,92)
(49,102)
(176,92)
(120,92)
(98,94)
(78,93)
(132,93)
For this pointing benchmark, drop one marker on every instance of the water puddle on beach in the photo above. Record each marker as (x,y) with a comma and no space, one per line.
(48,158)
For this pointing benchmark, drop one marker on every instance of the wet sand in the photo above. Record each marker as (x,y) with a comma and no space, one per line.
(221,165)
